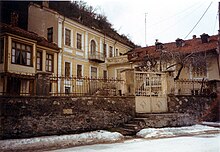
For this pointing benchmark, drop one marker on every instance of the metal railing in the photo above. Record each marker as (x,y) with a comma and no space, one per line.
(191,87)
(73,86)
(97,56)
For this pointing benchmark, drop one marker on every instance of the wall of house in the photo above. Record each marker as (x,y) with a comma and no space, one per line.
(40,20)
(213,70)
(38,116)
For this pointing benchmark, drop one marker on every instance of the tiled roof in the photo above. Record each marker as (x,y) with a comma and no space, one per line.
(20,32)
(192,45)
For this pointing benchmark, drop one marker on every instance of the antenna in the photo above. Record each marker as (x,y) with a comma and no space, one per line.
(145,28)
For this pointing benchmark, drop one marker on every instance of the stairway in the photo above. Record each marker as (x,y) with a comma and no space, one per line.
(156,120)
(131,127)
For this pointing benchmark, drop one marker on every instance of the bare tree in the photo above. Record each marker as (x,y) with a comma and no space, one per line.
(179,60)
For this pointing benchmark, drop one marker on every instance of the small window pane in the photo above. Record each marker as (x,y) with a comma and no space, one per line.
(18,46)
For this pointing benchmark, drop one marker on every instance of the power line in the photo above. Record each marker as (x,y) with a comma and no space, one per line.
(179,13)
(180,19)
(199,20)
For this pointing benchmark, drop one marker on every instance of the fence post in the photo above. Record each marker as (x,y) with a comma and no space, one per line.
(43,83)
(127,76)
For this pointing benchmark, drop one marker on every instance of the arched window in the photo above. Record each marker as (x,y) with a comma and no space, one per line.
(93,47)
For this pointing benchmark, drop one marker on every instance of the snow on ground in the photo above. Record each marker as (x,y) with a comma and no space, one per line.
(214,124)
(199,143)
(176,131)
(63,140)
(53,142)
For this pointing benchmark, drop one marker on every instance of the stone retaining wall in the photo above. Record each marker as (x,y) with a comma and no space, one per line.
(201,108)
(37,116)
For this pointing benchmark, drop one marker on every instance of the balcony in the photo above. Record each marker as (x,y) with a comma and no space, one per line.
(96,57)
(117,60)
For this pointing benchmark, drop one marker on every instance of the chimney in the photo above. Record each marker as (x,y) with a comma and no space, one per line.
(194,36)
(14,18)
(45,3)
(158,45)
(205,38)
(180,42)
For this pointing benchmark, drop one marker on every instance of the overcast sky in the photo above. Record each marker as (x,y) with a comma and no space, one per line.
(166,20)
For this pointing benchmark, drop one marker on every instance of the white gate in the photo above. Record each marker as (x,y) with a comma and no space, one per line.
(150,92)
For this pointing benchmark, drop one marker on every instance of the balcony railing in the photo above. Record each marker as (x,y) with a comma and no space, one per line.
(97,57)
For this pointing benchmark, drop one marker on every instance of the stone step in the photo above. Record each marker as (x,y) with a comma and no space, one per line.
(146,115)
(131,126)
(126,131)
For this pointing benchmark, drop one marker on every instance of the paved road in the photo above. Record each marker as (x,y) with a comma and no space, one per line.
(199,143)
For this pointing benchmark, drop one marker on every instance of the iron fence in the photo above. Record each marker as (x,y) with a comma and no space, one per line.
(191,87)
(85,86)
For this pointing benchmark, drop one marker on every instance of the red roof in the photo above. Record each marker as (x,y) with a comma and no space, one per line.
(192,45)
(31,35)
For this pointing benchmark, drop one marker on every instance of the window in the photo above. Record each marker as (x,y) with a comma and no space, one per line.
(21,54)
(49,63)
(79,41)
(79,71)
(199,71)
(116,52)
(67,90)
(104,50)
(39,61)
(93,47)
(50,34)
(67,37)
(104,74)
(93,72)
(1,50)
(67,69)
(110,51)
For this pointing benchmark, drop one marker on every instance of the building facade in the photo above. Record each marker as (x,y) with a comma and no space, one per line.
(85,51)
(25,57)
(187,63)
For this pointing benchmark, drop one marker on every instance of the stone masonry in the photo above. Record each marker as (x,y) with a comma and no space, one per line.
(37,116)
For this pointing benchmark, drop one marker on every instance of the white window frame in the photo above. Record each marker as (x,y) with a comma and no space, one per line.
(82,41)
(90,71)
(71,37)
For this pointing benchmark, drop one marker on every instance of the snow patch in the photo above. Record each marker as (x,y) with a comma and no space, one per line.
(100,136)
(173,132)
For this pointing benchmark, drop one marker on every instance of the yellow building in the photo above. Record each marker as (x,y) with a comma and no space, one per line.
(24,58)
(86,52)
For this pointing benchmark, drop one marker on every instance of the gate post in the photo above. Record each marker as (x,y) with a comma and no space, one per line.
(170,83)
(127,76)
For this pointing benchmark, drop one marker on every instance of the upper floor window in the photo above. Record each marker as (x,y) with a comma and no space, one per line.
(104,51)
(1,50)
(79,41)
(21,54)
(67,37)
(79,71)
(49,62)
(93,47)
(199,71)
(50,34)
(67,69)
(110,51)
(39,61)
